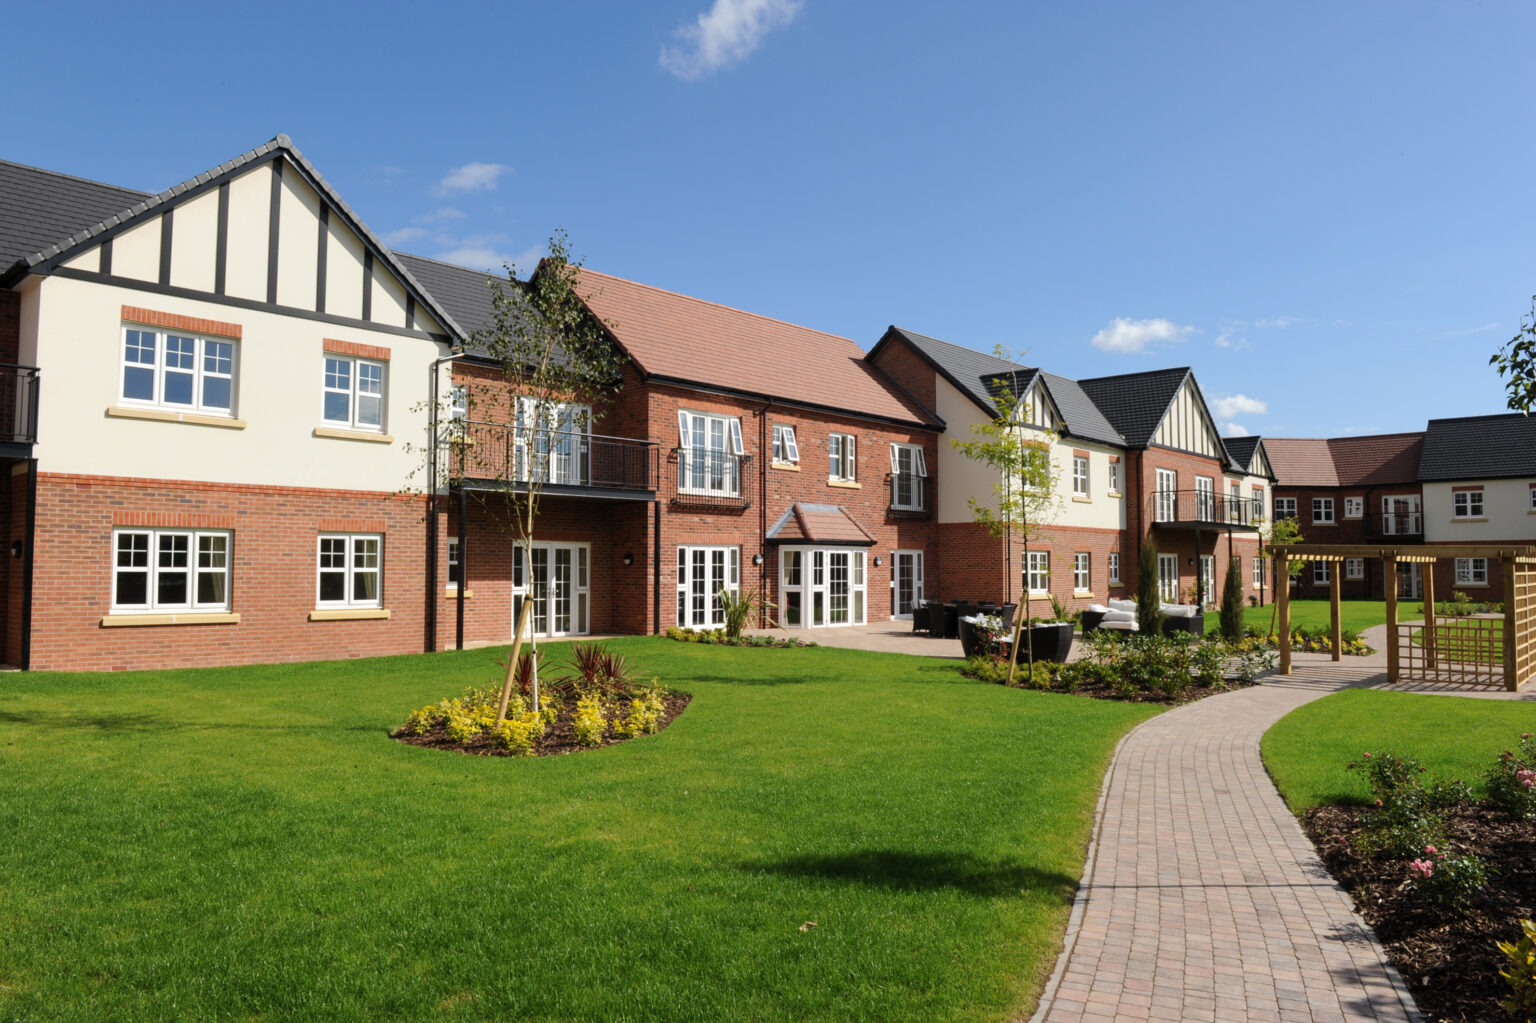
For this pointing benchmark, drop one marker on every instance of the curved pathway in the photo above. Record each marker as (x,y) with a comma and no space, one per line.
(1201,898)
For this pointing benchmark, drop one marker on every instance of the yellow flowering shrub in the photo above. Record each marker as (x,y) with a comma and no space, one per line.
(518,733)
(588,722)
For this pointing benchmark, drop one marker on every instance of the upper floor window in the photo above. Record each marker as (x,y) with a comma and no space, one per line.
(1533,497)
(785,450)
(1322,509)
(458,403)
(354,393)
(1285,507)
(1167,494)
(709,459)
(178,371)
(1205,498)
(170,569)
(1467,504)
(1079,475)
(909,472)
(1114,477)
(1258,502)
(840,457)
(1354,507)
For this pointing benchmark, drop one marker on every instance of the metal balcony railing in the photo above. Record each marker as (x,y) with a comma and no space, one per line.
(909,494)
(18,404)
(1402,524)
(709,477)
(1202,507)
(566,458)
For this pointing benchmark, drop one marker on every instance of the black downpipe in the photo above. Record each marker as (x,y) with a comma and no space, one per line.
(656,554)
(458,639)
(26,571)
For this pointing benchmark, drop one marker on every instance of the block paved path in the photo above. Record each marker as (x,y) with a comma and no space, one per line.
(1202,899)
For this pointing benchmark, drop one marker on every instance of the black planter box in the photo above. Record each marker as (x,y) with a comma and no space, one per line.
(1051,642)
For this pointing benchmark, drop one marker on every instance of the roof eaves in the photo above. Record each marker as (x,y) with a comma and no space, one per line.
(902,333)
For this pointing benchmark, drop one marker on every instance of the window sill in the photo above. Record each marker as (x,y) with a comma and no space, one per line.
(786,466)
(1328,524)
(117,621)
(348,614)
(1082,593)
(331,431)
(1469,518)
(1475,586)
(845,484)
(167,416)
(1079,499)
(453,593)
(1114,493)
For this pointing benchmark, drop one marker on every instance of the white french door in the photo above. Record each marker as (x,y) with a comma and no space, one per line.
(1410,581)
(702,573)
(820,587)
(906,581)
(1208,573)
(1167,494)
(1168,578)
(557,580)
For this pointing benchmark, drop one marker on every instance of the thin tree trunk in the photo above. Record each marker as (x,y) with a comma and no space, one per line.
(517,647)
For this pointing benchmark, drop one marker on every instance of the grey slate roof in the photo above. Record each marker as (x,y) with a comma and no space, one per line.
(41,207)
(140,203)
(464,293)
(1240,450)
(1134,403)
(1479,447)
(980,377)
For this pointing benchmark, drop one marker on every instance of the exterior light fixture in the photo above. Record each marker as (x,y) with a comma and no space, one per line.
(629,559)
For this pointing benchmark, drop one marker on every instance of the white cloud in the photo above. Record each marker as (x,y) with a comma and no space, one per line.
(1230,405)
(1235,430)
(439,215)
(1279,321)
(725,34)
(1226,340)
(1127,335)
(472,177)
(403,235)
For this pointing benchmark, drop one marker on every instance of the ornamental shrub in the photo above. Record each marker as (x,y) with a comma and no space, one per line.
(1512,781)
(1232,603)
(1404,822)
(1447,880)
(589,722)
(1149,614)
(519,733)
(1521,974)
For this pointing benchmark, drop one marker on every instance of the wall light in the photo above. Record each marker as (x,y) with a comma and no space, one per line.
(629,559)
(757,559)
(877,561)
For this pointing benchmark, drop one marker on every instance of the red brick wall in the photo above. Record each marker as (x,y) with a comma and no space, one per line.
(1363,530)
(274,554)
(910,372)
(10,326)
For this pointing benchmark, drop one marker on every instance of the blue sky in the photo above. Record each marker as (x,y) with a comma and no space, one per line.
(1325,209)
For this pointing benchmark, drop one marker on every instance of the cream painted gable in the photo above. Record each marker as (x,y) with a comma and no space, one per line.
(1037,410)
(1259,465)
(1187,425)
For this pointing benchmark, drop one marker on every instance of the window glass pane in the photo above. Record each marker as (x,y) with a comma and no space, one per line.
(171,587)
(133,550)
(370,410)
(365,586)
(132,588)
(210,587)
(216,392)
(180,362)
(333,586)
(338,407)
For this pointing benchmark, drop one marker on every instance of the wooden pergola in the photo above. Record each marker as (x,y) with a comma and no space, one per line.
(1491,650)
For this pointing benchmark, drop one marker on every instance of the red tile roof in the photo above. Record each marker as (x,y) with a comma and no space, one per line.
(1301,462)
(1346,461)
(818,523)
(672,335)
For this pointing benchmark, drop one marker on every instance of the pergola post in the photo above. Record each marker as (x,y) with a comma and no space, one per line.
(1335,623)
(1428,637)
(1389,583)
(1283,609)
(1510,681)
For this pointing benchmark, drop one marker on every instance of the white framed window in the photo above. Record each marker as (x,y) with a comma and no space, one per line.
(709,458)
(1114,566)
(1258,572)
(1038,571)
(1467,504)
(1285,508)
(1258,503)
(170,570)
(840,457)
(1114,477)
(1320,572)
(455,565)
(702,573)
(1533,497)
(1079,476)
(167,369)
(556,581)
(1168,578)
(354,393)
(1401,515)
(1322,510)
(350,570)
(1471,571)
(1167,494)
(1354,568)
(1205,499)
(1080,580)
(909,477)
(785,450)
(1354,507)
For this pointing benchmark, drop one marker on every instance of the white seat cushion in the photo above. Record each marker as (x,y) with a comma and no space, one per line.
(1121,626)
(1114,617)
(1122,605)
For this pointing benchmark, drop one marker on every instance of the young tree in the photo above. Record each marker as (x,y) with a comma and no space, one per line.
(558,364)
(1516,362)
(1280,533)
(1149,609)
(1024,494)
(1232,602)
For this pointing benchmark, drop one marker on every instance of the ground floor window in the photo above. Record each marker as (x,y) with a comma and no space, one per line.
(1258,572)
(455,566)
(1114,566)
(702,573)
(170,569)
(556,579)
(822,586)
(1471,571)
(1080,563)
(1168,578)
(1208,574)
(1037,571)
(1320,573)
(350,567)
(906,582)
(1354,568)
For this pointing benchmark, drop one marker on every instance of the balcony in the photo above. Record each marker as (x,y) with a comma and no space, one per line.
(707,478)
(495,456)
(18,410)
(910,496)
(1401,525)
(1202,509)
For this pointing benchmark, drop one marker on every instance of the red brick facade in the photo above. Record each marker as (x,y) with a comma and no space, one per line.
(1365,528)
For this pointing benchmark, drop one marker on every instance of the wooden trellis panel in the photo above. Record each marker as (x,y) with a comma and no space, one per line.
(1524,639)
(1463,651)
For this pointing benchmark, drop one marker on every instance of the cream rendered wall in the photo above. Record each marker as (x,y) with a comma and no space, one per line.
(298,238)
(250,213)
(278,394)
(1506,505)
(1186,427)
(195,242)
(959,478)
(1100,511)
(136,252)
(388,298)
(343,271)
(89,260)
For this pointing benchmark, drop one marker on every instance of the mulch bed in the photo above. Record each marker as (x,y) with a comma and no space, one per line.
(1448,960)
(1099,691)
(558,739)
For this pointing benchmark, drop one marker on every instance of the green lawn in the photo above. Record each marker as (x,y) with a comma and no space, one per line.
(1358,615)
(1455,737)
(248,844)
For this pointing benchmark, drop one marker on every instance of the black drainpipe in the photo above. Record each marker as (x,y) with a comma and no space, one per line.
(26,571)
